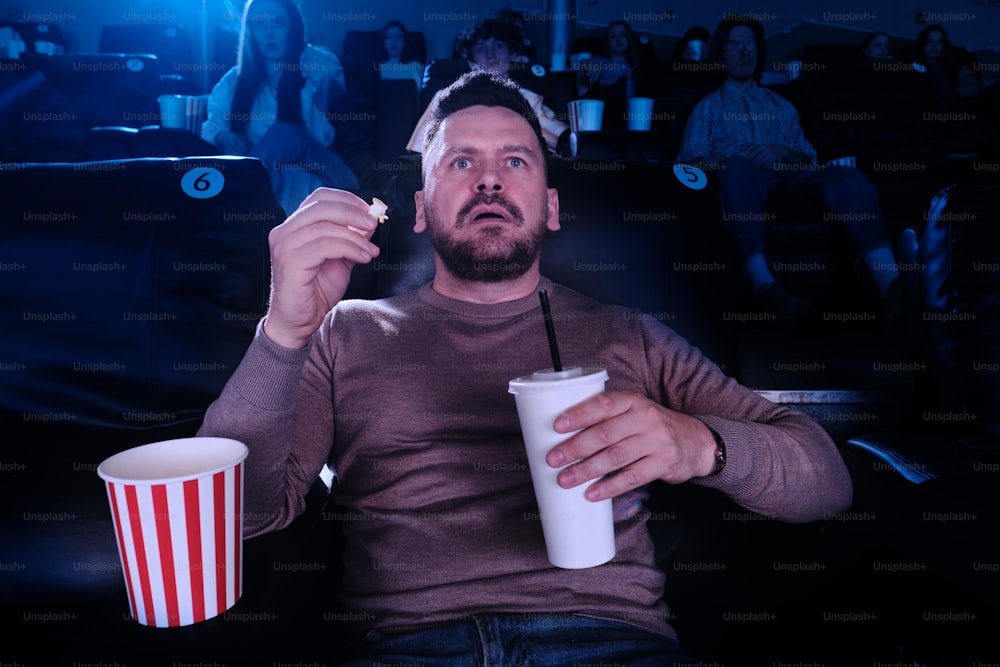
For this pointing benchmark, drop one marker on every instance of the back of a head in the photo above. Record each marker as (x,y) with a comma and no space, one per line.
(694,34)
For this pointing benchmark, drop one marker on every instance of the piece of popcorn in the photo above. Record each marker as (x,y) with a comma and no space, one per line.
(377,210)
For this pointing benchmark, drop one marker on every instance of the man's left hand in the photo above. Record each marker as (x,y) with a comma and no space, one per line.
(633,441)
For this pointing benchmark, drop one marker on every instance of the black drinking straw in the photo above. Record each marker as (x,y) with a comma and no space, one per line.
(543,295)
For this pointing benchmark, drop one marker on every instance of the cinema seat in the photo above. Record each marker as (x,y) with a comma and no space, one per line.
(137,286)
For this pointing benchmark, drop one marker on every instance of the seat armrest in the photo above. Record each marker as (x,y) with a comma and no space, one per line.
(918,457)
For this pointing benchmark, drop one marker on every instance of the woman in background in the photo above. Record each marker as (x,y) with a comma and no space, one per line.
(393,64)
(952,68)
(273,104)
(876,46)
(613,75)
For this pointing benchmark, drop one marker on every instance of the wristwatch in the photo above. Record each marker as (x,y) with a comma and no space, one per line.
(720,452)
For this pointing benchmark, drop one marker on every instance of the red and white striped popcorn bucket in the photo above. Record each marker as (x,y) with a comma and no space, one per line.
(186,112)
(177,507)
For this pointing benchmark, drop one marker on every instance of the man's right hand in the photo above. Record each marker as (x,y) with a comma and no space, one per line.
(312,255)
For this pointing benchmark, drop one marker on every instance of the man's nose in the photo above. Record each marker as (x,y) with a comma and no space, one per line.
(490,178)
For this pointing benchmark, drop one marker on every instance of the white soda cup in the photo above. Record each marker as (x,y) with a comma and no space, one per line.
(177,508)
(640,114)
(586,115)
(578,533)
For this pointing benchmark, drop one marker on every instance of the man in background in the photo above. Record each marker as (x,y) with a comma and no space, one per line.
(751,137)
(493,46)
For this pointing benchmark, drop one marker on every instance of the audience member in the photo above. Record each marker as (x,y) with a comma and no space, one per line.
(525,54)
(876,46)
(693,45)
(952,69)
(273,104)
(752,138)
(491,46)
(443,566)
(394,63)
(613,74)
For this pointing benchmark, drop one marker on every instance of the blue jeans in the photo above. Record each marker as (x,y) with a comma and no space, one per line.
(514,640)
(844,191)
(298,164)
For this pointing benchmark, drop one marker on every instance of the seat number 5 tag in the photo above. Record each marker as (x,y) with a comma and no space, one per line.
(203,182)
(690,177)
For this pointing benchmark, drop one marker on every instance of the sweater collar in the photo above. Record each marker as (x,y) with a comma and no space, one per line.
(498,311)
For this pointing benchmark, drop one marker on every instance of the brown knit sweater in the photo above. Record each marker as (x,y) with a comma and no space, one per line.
(406,398)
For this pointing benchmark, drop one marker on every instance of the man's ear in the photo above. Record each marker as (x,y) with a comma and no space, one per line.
(418,200)
(553,224)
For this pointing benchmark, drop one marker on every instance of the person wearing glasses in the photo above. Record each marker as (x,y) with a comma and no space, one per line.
(751,137)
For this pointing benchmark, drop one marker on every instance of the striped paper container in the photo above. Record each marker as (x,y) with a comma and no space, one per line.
(186,112)
(585,115)
(177,508)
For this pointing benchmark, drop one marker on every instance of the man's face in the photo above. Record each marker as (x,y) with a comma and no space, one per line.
(739,54)
(485,201)
(492,55)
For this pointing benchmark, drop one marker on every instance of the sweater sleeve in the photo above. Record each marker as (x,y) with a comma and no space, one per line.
(277,403)
(779,462)
(324,77)
(220,101)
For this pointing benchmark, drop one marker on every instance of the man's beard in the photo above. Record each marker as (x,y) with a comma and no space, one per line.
(481,259)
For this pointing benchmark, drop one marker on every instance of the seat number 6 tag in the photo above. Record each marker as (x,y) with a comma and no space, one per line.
(203,182)
(690,176)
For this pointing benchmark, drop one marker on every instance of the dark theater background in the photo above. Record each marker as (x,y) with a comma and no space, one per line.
(134,269)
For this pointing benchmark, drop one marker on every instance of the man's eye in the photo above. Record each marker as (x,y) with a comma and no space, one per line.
(462,163)
(515,162)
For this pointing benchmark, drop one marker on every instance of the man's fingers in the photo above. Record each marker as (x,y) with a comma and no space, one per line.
(637,474)
(603,417)
(334,205)
(603,461)
(592,410)
(320,217)
(316,243)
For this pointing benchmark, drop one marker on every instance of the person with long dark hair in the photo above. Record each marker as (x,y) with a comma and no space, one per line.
(951,68)
(273,104)
(611,75)
(394,63)
(876,46)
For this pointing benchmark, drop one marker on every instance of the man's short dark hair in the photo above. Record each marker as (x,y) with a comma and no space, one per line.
(717,45)
(486,89)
